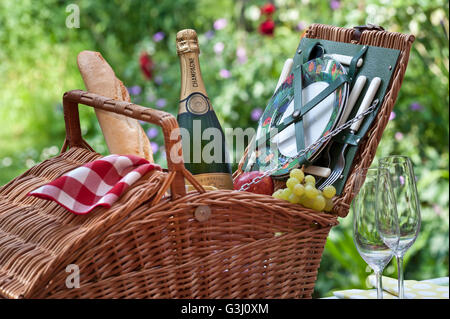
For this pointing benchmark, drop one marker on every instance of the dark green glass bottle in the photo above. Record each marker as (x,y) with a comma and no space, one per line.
(204,148)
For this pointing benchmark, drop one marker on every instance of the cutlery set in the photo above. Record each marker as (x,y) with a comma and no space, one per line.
(368,98)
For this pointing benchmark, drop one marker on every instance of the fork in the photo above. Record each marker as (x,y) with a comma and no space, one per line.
(337,171)
(340,164)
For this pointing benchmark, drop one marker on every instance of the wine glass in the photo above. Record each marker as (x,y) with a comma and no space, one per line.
(387,222)
(368,241)
(406,216)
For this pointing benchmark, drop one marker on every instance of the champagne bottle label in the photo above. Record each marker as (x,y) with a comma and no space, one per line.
(196,103)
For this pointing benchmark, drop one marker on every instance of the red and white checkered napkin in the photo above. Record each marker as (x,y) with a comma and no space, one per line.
(98,183)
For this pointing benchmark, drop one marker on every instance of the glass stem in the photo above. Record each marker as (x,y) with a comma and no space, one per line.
(401,290)
(379,286)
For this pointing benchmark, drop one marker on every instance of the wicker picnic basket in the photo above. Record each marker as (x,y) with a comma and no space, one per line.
(214,244)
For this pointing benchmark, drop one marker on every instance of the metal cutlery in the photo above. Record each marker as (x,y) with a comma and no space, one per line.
(354,95)
(365,104)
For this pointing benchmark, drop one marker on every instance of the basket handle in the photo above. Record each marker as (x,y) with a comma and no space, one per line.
(168,123)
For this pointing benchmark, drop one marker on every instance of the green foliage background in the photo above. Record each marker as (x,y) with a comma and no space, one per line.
(38,64)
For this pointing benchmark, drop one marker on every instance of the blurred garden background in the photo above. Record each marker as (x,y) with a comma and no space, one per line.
(244,44)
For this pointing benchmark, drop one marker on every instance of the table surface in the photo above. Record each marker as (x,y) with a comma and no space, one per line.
(442,281)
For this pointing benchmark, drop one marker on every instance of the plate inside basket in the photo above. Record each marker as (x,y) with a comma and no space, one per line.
(317,74)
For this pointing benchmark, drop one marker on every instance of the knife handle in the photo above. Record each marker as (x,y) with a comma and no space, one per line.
(354,95)
(365,104)
(344,59)
(318,171)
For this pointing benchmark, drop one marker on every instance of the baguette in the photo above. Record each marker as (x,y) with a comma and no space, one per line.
(123,135)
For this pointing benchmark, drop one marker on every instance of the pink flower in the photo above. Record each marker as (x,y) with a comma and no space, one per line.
(220,24)
(158,36)
(135,90)
(218,48)
(437,209)
(152,132)
(300,26)
(161,103)
(416,107)
(335,4)
(158,80)
(241,55)
(392,116)
(399,136)
(224,73)
(155,147)
(209,34)
(256,114)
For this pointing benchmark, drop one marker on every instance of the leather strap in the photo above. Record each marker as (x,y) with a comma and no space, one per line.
(340,80)
(348,137)
(352,68)
(307,53)
(298,102)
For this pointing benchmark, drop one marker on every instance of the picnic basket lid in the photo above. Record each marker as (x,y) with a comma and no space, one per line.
(364,154)
(373,36)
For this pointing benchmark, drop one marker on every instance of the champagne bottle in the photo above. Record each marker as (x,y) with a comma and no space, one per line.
(204,150)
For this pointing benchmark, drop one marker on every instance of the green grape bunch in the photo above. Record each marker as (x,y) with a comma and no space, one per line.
(301,189)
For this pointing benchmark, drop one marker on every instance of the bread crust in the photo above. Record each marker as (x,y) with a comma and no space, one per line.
(123,135)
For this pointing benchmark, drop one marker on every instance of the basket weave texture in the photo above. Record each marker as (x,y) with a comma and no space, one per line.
(148,245)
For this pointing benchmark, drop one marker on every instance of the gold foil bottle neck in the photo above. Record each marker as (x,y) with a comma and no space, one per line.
(187,41)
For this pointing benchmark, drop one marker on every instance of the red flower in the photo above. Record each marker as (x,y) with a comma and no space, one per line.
(146,64)
(268,9)
(267,27)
